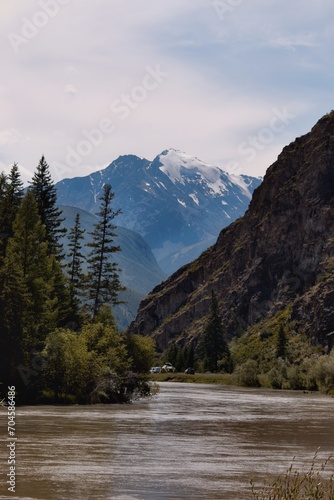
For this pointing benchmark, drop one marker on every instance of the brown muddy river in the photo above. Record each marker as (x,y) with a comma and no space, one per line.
(191,441)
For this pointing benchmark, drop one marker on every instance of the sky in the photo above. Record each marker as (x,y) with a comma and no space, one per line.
(228,81)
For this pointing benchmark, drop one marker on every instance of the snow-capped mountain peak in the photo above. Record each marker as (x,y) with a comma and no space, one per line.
(182,168)
(176,164)
(175,201)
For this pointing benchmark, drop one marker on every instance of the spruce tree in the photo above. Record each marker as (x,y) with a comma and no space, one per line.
(11,192)
(11,285)
(38,272)
(3,183)
(14,192)
(74,267)
(103,275)
(281,343)
(179,364)
(213,345)
(172,354)
(189,356)
(45,194)
(33,293)
(12,293)
(3,233)
(60,294)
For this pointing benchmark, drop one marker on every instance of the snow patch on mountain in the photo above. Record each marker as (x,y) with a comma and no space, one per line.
(182,203)
(178,166)
(174,164)
(194,198)
(240,181)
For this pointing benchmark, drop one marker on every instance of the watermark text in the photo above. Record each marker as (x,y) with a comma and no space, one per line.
(11,445)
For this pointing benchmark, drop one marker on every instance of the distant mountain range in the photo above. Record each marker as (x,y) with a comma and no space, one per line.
(176,202)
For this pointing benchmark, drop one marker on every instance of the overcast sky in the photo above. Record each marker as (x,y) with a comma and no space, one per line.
(228,81)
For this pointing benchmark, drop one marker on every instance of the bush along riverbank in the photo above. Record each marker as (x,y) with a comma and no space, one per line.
(315,373)
(98,364)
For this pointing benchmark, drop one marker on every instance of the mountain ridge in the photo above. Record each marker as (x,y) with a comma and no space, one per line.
(174,202)
(279,255)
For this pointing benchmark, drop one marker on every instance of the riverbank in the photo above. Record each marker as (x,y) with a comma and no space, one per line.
(223,379)
(198,378)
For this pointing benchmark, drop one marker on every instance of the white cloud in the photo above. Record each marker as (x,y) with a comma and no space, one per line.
(294,42)
(9,136)
(225,78)
(70,89)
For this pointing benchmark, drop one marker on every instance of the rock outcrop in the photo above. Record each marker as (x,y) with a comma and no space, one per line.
(279,254)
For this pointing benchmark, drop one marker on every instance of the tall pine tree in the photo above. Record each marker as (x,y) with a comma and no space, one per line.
(12,293)
(45,194)
(281,343)
(28,252)
(39,274)
(3,233)
(14,194)
(3,183)
(103,277)
(74,267)
(11,285)
(214,347)
(11,193)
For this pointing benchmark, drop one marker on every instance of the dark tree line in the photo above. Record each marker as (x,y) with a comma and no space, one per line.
(211,354)
(213,347)
(42,299)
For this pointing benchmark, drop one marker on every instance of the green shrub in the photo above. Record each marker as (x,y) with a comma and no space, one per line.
(296,378)
(142,352)
(278,374)
(324,372)
(308,374)
(247,374)
(95,366)
(67,362)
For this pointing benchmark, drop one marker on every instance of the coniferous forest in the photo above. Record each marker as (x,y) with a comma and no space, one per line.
(58,338)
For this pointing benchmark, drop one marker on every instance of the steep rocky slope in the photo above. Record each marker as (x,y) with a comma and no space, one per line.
(279,254)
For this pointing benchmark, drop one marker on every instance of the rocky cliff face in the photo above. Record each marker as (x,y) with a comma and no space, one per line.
(279,254)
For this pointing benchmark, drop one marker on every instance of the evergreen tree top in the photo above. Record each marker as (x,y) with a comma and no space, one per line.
(45,194)
(15,182)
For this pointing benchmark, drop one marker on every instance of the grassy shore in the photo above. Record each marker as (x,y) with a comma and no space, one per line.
(198,378)
(219,379)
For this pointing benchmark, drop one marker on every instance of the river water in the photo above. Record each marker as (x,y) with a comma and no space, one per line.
(191,441)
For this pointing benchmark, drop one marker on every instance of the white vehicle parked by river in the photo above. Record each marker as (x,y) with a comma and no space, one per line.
(155,369)
(168,368)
